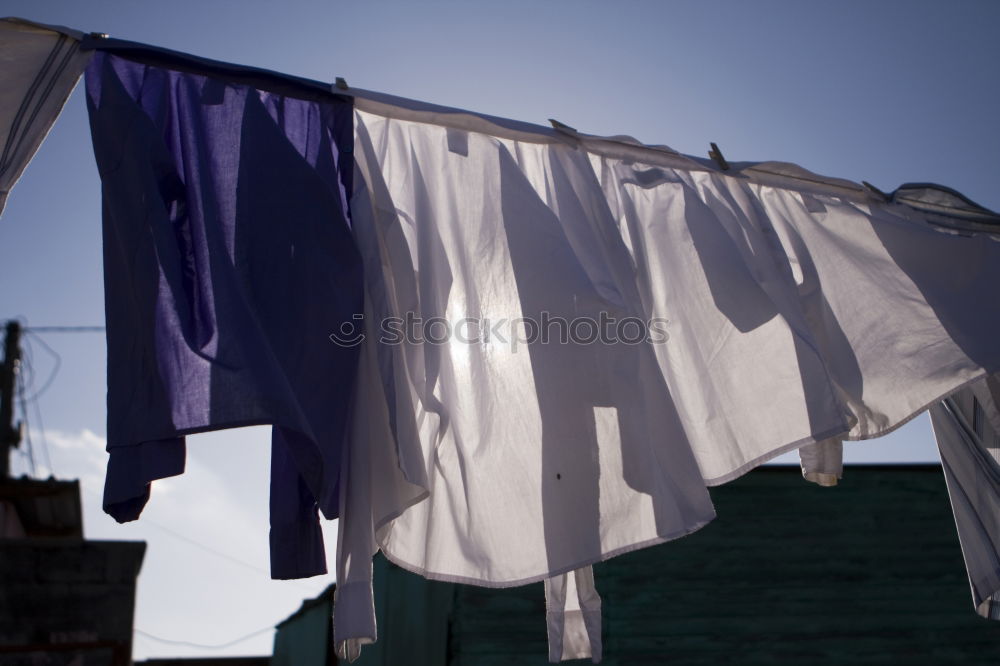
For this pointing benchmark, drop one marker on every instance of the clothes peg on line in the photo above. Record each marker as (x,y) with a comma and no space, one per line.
(877,192)
(716,155)
(561,127)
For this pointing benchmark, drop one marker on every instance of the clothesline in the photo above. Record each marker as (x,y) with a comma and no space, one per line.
(402,108)
(425,112)
(261,230)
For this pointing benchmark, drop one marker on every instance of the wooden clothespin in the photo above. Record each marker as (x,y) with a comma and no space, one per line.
(716,155)
(874,190)
(340,83)
(562,127)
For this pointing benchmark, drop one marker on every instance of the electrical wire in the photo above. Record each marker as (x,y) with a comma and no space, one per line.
(55,368)
(67,329)
(27,366)
(32,400)
(19,389)
(208,549)
(203,646)
(42,436)
(28,371)
(198,544)
(192,542)
(25,379)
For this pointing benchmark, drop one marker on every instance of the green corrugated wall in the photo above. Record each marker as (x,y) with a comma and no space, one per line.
(869,572)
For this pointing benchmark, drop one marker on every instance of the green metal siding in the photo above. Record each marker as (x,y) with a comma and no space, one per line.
(413,616)
(869,572)
(305,638)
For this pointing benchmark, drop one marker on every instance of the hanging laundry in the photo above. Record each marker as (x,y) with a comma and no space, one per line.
(803,308)
(573,615)
(798,311)
(228,263)
(539,456)
(954,215)
(823,462)
(41,65)
(967,429)
(560,339)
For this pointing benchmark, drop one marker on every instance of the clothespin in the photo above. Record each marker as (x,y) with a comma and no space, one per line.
(716,155)
(562,127)
(340,83)
(877,192)
(99,35)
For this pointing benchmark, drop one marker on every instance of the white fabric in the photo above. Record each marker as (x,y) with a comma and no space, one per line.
(823,462)
(537,459)
(373,489)
(39,66)
(573,614)
(741,362)
(972,470)
(797,310)
(797,316)
(987,393)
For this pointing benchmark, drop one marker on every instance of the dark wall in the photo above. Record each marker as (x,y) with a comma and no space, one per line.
(67,602)
(869,572)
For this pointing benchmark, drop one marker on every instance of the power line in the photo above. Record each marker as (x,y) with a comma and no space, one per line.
(67,329)
(193,542)
(27,429)
(202,645)
(26,379)
(207,549)
(198,544)
(55,369)
(45,440)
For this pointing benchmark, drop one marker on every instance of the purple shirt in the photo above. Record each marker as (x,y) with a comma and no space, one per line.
(228,262)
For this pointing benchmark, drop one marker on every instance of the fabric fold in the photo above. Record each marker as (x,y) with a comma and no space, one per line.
(131,471)
(573,616)
(592,459)
(527,457)
(374,489)
(41,65)
(807,314)
(823,462)
(970,456)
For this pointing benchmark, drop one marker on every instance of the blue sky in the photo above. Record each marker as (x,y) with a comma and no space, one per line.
(888,92)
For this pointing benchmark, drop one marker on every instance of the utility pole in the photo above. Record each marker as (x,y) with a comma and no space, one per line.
(10,435)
